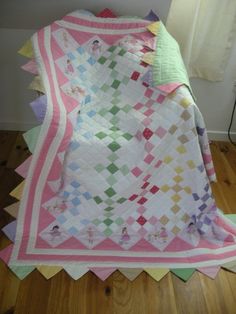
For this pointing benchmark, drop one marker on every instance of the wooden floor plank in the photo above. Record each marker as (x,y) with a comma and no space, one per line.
(130,297)
(88,295)
(189,296)
(34,287)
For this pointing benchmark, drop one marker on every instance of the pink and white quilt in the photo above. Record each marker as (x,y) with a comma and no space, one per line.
(120,175)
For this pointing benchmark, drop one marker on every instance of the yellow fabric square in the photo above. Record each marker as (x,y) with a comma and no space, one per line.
(18,191)
(157,273)
(27,49)
(154,27)
(49,271)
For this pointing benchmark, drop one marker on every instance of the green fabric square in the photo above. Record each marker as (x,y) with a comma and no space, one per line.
(99,168)
(113,157)
(101,135)
(127,136)
(108,209)
(110,192)
(122,52)
(107,232)
(109,202)
(114,146)
(125,80)
(114,135)
(112,168)
(102,60)
(115,101)
(114,128)
(112,64)
(111,180)
(121,200)
(115,84)
(124,169)
(127,108)
(105,88)
(116,93)
(96,222)
(114,120)
(108,214)
(114,110)
(114,74)
(112,48)
(119,221)
(103,112)
(108,221)
(97,199)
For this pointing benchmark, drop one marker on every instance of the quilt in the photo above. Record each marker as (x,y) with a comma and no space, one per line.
(121,166)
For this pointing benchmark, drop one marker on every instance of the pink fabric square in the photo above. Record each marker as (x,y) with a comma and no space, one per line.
(142,200)
(142,232)
(147,133)
(148,146)
(147,121)
(153,220)
(139,136)
(161,98)
(149,158)
(148,93)
(148,176)
(149,103)
(133,197)
(130,220)
(136,171)
(145,185)
(143,193)
(138,106)
(157,165)
(154,189)
(160,132)
(148,112)
(141,209)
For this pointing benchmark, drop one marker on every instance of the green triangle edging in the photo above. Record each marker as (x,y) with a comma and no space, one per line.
(183,273)
(22,271)
(31,137)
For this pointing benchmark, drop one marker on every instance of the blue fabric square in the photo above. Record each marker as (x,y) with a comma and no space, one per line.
(74,211)
(74,145)
(87,195)
(81,50)
(61,219)
(87,99)
(91,61)
(91,113)
(75,184)
(72,231)
(76,201)
(88,135)
(85,221)
(94,88)
(66,194)
(70,56)
(73,166)
(81,68)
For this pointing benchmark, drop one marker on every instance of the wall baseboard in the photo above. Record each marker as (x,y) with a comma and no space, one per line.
(220,135)
(25,126)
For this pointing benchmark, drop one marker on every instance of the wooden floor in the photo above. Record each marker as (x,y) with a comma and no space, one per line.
(116,295)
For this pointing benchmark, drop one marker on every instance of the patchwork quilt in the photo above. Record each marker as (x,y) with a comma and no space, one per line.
(121,167)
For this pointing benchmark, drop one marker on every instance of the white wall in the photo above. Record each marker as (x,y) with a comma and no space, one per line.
(18,21)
